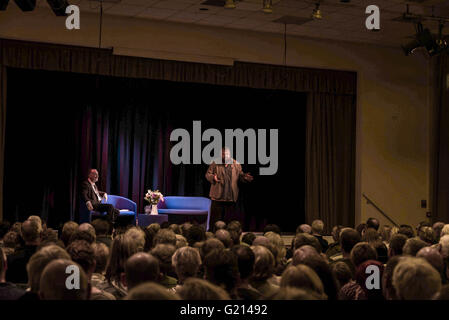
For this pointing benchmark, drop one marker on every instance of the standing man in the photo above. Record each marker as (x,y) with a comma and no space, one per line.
(224,190)
(93,197)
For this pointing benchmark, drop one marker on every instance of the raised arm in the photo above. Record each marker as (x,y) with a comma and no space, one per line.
(211,171)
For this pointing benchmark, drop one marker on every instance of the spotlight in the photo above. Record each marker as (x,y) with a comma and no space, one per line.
(316,14)
(3,4)
(267,6)
(58,6)
(424,39)
(229,4)
(410,47)
(26,5)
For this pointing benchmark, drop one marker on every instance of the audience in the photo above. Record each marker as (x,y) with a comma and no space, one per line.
(171,261)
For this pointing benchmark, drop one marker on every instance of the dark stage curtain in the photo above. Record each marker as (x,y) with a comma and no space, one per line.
(68,123)
(331,91)
(2,131)
(330,161)
(441,143)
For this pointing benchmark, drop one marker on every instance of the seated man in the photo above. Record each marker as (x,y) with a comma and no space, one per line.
(93,197)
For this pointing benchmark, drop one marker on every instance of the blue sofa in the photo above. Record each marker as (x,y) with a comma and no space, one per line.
(189,206)
(118,202)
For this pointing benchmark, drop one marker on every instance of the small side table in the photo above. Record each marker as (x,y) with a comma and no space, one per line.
(145,220)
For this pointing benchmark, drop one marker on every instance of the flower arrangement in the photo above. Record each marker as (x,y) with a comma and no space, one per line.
(153,197)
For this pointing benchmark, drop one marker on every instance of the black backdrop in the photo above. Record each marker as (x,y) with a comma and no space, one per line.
(60,124)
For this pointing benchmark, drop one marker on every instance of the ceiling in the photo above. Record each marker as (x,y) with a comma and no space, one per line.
(341,21)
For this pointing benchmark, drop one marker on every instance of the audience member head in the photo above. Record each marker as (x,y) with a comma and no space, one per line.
(318,227)
(245,260)
(432,256)
(11,240)
(336,230)
(175,228)
(412,246)
(196,233)
(101,227)
(397,243)
(361,229)
(53,282)
(181,241)
(415,279)
(263,264)
(138,236)
(187,262)
(385,232)
(155,227)
(444,247)
(219,225)
(381,250)
(302,277)
(372,223)
(371,235)
(362,252)
(210,245)
(139,268)
(437,227)
(342,272)
(277,241)
(87,227)
(82,235)
(185,228)
(427,235)
(101,254)
(348,239)
(122,248)
(273,228)
(164,253)
(165,225)
(304,228)
(388,290)
(150,291)
(199,289)
(31,232)
(248,238)
(225,237)
(67,230)
(302,239)
(83,253)
(324,272)
(303,253)
(406,230)
(39,260)
(164,236)
(221,268)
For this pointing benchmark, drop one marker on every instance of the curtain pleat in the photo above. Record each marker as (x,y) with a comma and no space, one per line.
(440,192)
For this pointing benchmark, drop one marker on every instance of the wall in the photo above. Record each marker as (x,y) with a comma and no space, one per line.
(393,94)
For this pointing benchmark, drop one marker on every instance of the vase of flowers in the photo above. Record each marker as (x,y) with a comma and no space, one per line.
(153,197)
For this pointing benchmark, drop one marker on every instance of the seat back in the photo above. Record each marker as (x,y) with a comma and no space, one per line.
(174,202)
(122,203)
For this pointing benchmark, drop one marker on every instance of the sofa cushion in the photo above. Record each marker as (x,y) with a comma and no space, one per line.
(183,211)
